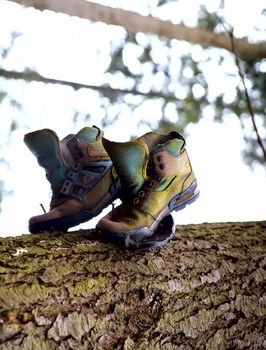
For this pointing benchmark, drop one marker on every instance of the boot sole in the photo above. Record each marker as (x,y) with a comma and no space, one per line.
(177,203)
(64,223)
(162,235)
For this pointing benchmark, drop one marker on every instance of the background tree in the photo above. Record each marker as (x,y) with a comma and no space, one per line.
(149,62)
(148,66)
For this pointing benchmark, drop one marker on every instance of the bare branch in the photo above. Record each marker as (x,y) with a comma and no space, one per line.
(242,77)
(249,103)
(135,22)
(34,76)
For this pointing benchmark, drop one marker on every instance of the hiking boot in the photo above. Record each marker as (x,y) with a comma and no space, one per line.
(81,175)
(156,178)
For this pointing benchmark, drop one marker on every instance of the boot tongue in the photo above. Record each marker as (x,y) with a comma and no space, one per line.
(86,146)
(89,134)
(130,159)
(130,163)
(57,157)
(44,144)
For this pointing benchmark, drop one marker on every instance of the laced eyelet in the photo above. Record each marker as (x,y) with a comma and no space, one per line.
(76,166)
(136,201)
(152,183)
(158,177)
(141,194)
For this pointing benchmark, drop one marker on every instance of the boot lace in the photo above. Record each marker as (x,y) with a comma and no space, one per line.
(41,205)
(151,183)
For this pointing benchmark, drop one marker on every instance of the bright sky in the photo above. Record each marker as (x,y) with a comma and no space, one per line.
(230,191)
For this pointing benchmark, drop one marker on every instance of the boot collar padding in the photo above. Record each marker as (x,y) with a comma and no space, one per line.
(154,139)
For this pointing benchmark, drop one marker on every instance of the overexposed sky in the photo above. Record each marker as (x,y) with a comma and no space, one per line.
(230,191)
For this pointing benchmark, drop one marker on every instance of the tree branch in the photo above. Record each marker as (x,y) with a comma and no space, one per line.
(204,290)
(135,22)
(30,76)
(249,103)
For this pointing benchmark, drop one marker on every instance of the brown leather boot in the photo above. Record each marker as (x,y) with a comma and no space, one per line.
(81,175)
(156,178)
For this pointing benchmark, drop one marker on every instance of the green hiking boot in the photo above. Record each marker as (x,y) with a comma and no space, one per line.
(81,175)
(156,178)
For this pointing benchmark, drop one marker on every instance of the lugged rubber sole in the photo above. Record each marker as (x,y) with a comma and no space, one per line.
(64,223)
(137,236)
(161,236)
(61,224)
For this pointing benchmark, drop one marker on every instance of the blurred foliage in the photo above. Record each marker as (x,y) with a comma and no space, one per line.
(4,52)
(151,68)
(190,77)
(2,96)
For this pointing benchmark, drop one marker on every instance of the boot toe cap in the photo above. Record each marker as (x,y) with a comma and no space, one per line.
(40,223)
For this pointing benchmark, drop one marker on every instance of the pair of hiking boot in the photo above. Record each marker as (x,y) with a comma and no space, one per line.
(152,176)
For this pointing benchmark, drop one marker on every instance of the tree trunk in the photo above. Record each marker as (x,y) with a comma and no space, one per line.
(135,22)
(204,290)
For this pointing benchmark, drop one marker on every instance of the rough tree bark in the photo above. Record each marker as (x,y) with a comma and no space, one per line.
(135,22)
(204,290)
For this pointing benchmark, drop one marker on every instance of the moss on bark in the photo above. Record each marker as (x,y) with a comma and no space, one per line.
(204,290)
